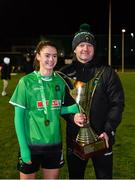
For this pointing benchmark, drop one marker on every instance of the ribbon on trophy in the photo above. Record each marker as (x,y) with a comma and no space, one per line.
(87,142)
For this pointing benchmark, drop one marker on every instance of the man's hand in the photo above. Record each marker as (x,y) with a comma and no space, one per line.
(105,137)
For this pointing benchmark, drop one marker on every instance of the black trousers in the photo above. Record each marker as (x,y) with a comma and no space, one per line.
(102,163)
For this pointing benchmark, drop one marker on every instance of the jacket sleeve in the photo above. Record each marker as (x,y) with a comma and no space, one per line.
(19,127)
(115,94)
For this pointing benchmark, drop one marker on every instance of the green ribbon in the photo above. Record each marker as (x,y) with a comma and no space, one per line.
(43,96)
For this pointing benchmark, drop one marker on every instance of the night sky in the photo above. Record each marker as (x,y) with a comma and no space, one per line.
(29,18)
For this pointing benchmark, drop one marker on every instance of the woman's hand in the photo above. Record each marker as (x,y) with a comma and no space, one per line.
(30,162)
(79,119)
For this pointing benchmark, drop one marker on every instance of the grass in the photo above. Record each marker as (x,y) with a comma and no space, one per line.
(124,148)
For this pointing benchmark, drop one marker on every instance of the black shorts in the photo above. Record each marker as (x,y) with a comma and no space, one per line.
(47,160)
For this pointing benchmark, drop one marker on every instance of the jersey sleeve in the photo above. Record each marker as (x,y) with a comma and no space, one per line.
(20,131)
(19,96)
(69,106)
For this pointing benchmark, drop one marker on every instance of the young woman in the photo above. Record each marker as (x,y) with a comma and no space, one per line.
(39,99)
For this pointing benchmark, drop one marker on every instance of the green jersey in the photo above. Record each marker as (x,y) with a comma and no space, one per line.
(28,96)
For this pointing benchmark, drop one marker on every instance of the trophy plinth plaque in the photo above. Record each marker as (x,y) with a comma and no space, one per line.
(87,143)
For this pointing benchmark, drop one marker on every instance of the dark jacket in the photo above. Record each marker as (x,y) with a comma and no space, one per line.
(108,100)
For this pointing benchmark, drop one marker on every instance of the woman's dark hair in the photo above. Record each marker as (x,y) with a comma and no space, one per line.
(39,47)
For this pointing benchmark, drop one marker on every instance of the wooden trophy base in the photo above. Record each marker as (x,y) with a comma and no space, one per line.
(86,151)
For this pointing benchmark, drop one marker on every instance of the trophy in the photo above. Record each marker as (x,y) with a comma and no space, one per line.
(87,143)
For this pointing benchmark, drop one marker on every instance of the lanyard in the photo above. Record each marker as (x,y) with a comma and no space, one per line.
(43,98)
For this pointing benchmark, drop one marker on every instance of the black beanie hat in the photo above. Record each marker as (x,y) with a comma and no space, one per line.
(83,35)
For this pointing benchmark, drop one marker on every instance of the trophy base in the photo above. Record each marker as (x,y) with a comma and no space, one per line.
(87,151)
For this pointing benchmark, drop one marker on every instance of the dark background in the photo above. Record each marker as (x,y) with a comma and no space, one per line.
(24,22)
(32,18)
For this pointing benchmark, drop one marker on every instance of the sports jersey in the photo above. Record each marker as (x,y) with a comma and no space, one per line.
(27,96)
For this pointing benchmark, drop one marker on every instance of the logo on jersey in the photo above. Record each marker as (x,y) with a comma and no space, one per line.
(40,104)
(55,103)
(57,88)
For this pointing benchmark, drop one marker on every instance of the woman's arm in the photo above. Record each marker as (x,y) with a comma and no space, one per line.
(20,131)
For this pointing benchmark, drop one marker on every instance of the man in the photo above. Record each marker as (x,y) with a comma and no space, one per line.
(106,108)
